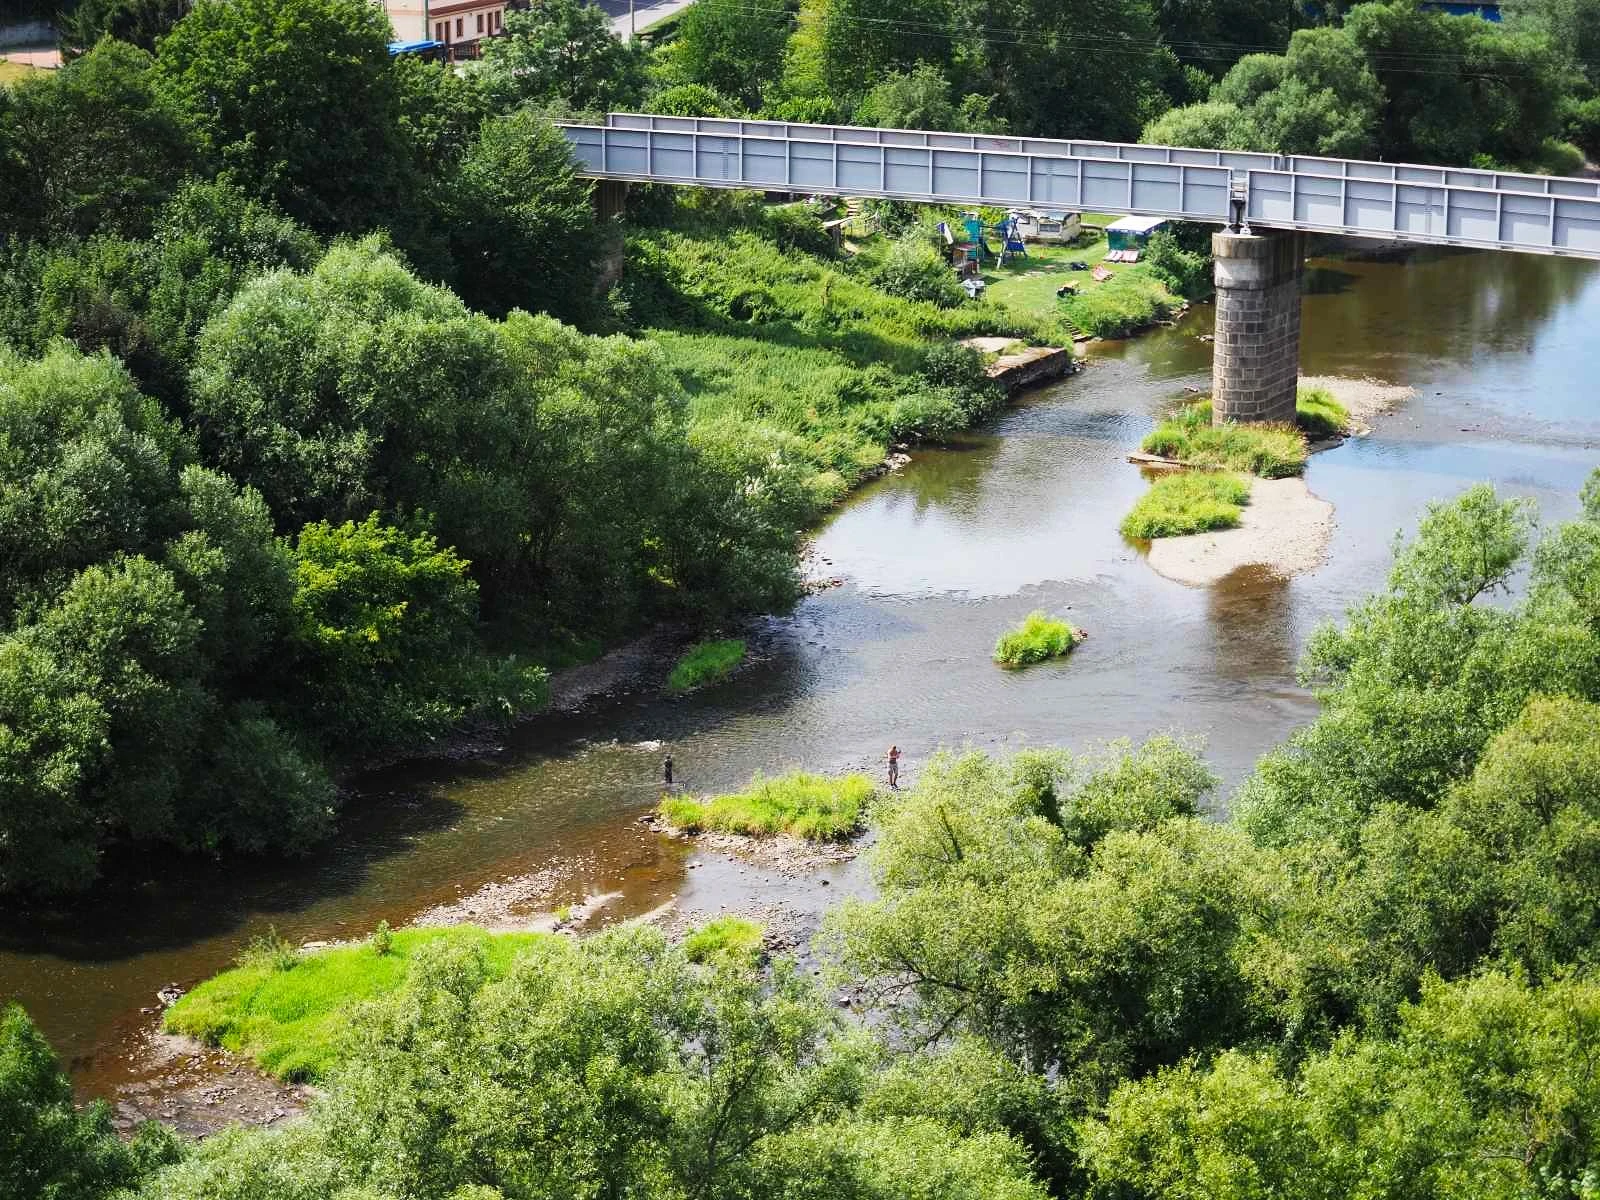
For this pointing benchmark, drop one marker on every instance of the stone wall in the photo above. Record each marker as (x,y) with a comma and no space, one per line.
(1256,354)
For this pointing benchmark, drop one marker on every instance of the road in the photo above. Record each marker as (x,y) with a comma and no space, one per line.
(645,13)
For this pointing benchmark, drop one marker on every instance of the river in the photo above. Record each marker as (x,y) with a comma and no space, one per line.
(937,559)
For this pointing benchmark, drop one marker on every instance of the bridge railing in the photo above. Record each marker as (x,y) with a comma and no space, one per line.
(1421,212)
(933,171)
(1395,201)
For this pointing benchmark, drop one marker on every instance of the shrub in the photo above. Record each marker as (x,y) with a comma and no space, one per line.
(1190,502)
(1270,451)
(1038,637)
(1319,414)
(808,806)
(914,270)
(1186,272)
(1123,304)
(382,939)
(797,227)
(726,939)
(269,953)
(705,662)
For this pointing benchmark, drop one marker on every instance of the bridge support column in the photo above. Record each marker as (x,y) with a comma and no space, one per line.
(1256,355)
(610,195)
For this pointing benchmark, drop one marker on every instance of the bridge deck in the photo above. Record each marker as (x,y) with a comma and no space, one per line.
(1392,201)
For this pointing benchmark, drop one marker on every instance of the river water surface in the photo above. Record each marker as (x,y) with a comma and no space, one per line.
(1503,351)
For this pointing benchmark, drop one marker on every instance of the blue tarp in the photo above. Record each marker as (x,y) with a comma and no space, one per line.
(413,47)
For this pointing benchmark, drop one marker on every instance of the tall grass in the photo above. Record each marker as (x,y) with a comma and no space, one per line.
(705,662)
(292,1016)
(1188,502)
(815,807)
(1124,304)
(725,939)
(1038,637)
(1319,414)
(1268,450)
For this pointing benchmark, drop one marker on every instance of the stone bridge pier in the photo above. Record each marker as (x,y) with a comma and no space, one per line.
(1256,353)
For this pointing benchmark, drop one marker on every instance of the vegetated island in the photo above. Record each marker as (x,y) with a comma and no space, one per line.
(817,808)
(1239,499)
(706,662)
(1038,638)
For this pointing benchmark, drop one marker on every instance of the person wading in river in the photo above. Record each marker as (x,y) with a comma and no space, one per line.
(666,772)
(894,767)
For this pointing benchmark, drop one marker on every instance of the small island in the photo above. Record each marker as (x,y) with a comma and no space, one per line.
(1038,637)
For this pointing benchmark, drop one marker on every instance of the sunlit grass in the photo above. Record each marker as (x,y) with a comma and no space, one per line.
(1319,414)
(726,939)
(1038,637)
(1187,502)
(290,1011)
(706,662)
(1269,450)
(816,807)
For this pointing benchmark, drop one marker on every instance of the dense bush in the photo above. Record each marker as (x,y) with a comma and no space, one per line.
(914,270)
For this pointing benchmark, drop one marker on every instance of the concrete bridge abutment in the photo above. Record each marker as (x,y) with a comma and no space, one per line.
(1256,352)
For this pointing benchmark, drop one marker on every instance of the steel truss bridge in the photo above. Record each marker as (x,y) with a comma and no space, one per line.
(1494,210)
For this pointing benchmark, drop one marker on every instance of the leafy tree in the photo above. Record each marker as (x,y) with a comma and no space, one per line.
(98,145)
(383,634)
(691,100)
(562,52)
(524,232)
(1215,34)
(296,101)
(921,99)
(735,51)
(140,22)
(49,1150)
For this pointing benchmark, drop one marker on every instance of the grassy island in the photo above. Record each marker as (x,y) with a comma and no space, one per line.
(1038,637)
(1191,502)
(289,1010)
(706,662)
(817,807)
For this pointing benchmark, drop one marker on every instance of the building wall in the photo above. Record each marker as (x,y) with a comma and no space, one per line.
(460,23)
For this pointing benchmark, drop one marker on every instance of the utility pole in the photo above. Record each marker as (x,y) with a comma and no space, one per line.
(633,33)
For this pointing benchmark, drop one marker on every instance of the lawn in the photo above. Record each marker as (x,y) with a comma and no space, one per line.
(14,72)
(1038,637)
(290,1012)
(1188,502)
(1131,299)
(815,807)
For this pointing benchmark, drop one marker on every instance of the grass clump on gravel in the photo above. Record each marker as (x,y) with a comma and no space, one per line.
(290,1010)
(816,807)
(1319,414)
(705,662)
(726,939)
(1188,502)
(1038,637)
(1269,450)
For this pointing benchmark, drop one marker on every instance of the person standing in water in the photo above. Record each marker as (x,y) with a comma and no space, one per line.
(666,771)
(894,767)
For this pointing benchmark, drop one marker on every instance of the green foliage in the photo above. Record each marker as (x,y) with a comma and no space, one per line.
(1038,638)
(98,146)
(732,940)
(382,939)
(691,100)
(523,231)
(914,270)
(1129,301)
(734,52)
(1497,99)
(562,52)
(816,807)
(1423,675)
(606,1063)
(1189,437)
(139,22)
(1185,272)
(316,133)
(1187,502)
(1475,1093)
(291,1012)
(1318,414)
(49,1150)
(705,662)
(920,99)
